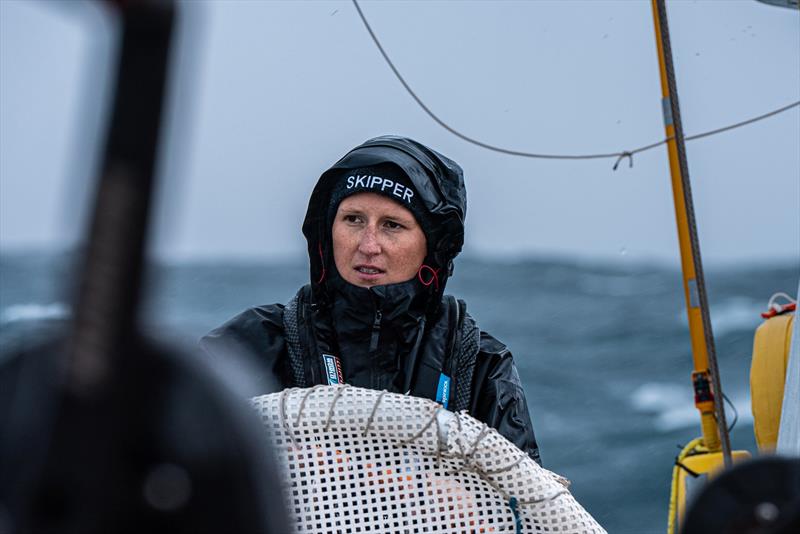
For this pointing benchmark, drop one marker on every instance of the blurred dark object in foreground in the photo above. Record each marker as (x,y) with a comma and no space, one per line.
(760,496)
(101,430)
(164,447)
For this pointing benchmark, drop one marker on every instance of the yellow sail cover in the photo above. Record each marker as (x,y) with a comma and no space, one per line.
(768,376)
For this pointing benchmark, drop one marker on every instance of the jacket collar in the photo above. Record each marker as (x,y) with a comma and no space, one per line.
(354,308)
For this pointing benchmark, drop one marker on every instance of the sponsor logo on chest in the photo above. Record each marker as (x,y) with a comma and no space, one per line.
(443,390)
(333,369)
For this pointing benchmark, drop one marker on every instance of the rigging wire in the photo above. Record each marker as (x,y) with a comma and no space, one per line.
(705,363)
(735,412)
(619,155)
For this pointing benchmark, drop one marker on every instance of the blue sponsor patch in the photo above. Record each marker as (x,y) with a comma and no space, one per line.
(443,391)
(333,369)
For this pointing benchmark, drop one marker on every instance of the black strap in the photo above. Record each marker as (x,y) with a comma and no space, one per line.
(425,383)
(428,378)
(463,356)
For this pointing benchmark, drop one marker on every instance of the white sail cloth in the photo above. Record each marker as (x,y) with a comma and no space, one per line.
(358,460)
(789,430)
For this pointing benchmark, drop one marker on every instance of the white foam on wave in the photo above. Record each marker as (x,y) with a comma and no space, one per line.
(734,315)
(673,405)
(34,312)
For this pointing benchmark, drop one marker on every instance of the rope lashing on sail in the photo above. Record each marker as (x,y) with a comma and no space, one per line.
(466,453)
(355,458)
(372,414)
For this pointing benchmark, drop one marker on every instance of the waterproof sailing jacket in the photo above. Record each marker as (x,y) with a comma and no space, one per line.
(406,337)
(482,377)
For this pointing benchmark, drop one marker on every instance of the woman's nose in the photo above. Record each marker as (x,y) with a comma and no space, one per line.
(368,242)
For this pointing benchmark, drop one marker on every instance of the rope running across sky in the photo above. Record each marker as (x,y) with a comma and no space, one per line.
(618,155)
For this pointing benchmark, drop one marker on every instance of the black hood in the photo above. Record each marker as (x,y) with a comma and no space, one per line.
(438,181)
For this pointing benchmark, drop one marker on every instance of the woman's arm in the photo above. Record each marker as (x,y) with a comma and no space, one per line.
(498,398)
(256,334)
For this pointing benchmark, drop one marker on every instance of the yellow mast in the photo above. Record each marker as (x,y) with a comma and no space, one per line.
(705,378)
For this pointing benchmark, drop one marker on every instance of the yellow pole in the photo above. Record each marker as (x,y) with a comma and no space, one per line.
(705,378)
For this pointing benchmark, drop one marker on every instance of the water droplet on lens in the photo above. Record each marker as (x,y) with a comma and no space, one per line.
(766,512)
(167,487)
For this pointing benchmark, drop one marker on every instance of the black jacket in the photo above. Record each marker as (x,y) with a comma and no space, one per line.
(406,337)
(387,356)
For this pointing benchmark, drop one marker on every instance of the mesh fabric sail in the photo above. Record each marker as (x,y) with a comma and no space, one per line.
(357,460)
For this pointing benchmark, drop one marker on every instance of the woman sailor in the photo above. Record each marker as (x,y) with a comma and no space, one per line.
(383,227)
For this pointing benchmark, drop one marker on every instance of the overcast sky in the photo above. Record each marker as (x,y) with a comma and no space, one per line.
(269,94)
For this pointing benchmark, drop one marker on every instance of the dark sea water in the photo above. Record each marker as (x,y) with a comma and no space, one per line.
(603,351)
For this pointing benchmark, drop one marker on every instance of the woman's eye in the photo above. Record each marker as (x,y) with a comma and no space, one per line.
(391,225)
(352,219)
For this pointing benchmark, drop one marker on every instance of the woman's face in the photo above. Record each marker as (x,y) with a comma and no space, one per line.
(376,241)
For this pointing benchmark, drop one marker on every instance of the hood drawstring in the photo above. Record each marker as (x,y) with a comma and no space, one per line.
(433,279)
(321,262)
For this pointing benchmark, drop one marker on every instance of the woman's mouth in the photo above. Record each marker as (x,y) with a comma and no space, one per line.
(368,271)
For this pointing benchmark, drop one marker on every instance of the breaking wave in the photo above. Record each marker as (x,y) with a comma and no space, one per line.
(673,408)
(736,314)
(733,315)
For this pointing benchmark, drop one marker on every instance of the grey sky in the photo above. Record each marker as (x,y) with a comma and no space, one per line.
(275,92)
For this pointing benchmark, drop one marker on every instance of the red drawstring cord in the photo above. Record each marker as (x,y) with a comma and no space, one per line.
(321,262)
(434,276)
(777,309)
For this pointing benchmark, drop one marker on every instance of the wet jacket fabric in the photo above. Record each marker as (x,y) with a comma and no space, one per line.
(484,381)
(406,337)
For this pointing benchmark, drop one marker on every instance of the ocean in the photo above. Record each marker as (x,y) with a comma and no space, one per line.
(603,351)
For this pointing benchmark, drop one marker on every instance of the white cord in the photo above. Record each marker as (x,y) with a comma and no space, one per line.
(772,305)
